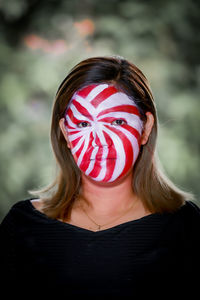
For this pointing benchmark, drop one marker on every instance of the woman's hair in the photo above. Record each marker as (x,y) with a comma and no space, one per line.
(149,183)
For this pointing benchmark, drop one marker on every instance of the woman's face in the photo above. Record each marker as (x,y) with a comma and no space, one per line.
(104,130)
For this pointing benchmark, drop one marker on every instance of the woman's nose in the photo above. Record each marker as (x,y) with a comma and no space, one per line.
(102,141)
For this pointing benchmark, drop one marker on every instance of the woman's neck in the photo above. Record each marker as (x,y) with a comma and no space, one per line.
(107,198)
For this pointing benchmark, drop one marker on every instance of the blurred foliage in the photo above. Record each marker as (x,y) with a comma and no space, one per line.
(42,40)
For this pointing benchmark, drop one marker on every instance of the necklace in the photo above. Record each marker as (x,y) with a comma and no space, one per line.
(99,226)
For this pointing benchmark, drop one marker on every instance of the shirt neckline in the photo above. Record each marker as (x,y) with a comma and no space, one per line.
(82,229)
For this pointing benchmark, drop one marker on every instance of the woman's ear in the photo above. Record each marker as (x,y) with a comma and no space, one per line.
(147,128)
(64,131)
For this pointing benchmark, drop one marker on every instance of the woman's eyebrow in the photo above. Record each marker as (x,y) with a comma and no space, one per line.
(81,109)
(83,114)
(121,108)
(86,115)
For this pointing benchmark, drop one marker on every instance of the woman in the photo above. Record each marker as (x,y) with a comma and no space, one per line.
(111,223)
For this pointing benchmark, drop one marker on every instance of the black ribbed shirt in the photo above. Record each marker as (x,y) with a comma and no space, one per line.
(156,251)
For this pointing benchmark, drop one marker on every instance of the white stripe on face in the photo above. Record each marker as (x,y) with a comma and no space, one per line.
(104,128)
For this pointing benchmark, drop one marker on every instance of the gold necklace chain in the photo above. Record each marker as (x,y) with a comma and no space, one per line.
(103,225)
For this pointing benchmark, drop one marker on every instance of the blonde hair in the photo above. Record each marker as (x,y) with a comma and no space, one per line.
(150,184)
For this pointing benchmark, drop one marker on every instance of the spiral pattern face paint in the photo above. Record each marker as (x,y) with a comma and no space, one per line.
(104,128)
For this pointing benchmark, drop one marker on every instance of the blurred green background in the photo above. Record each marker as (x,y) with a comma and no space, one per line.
(42,40)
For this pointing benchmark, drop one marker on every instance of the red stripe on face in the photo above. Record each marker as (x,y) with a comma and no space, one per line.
(97,141)
(84,92)
(73,132)
(75,142)
(71,116)
(69,113)
(82,109)
(77,153)
(97,167)
(86,157)
(112,152)
(133,131)
(127,146)
(68,126)
(121,108)
(111,161)
(107,92)
(110,119)
(110,166)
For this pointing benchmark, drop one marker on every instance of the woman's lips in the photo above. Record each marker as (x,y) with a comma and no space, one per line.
(102,158)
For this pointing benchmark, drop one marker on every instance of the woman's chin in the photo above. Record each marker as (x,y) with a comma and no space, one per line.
(102,183)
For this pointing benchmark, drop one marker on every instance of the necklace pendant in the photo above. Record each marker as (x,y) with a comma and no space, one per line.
(99,227)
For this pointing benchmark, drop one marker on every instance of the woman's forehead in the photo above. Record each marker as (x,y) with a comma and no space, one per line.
(101,97)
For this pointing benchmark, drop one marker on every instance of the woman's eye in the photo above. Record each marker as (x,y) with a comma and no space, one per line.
(118,122)
(83,124)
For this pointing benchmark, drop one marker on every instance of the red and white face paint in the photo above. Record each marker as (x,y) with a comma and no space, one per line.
(104,128)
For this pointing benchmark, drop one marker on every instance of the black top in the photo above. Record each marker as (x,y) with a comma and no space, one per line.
(156,251)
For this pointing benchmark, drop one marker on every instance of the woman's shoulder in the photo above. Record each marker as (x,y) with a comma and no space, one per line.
(189,214)
(37,204)
(21,210)
(23,205)
(190,210)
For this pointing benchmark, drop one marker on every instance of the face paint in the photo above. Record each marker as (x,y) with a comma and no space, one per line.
(104,128)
